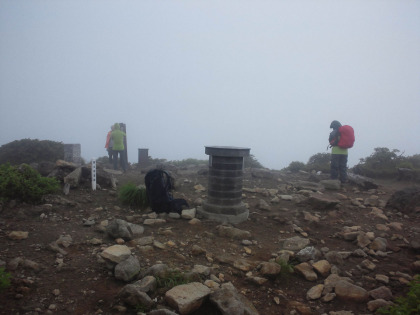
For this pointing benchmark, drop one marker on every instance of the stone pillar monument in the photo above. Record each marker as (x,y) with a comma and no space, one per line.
(143,158)
(72,153)
(224,198)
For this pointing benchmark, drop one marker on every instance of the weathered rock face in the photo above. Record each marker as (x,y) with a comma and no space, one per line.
(406,200)
(73,179)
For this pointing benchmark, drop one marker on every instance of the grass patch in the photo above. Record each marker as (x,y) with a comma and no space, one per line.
(133,196)
(407,305)
(4,279)
(171,278)
(286,268)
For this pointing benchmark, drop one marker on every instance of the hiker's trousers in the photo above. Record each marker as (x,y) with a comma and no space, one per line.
(339,167)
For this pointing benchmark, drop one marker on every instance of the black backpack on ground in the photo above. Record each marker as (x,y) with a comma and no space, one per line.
(158,187)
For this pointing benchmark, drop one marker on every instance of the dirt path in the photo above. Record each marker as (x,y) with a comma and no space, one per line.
(75,282)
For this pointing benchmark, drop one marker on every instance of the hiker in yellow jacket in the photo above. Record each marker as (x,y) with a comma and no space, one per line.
(339,155)
(117,136)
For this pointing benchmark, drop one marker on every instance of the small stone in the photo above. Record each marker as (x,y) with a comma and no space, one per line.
(322,267)
(350,292)
(367,264)
(315,292)
(119,241)
(381,293)
(306,271)
(18,235)
(382,278)
(194,221)
(375,304)
(328,297)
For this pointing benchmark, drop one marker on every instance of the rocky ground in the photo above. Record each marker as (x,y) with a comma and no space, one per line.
(85,253)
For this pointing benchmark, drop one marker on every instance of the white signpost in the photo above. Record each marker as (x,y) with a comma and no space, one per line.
(93,174)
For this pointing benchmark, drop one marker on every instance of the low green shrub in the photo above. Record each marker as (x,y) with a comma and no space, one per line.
(319,162)
(103,160)
(4,279)
(382,163)
(252,162)
(133,196)
(407,305)
(405,164)
(31,150)
(296,166)
(25,184)
(286,267)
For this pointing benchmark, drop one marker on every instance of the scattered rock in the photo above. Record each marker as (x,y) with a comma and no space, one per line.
(350,292)
(331,184)
(134,296)
(315,292)
(405,200)
(229,301)
(116,253)
(123,229)
(322,202)
(187,298)
(231,232)
(18,235)
(270,269)
(322,267)
(128,269)
(381,293)
(306,271)
(295,243)
(375,304)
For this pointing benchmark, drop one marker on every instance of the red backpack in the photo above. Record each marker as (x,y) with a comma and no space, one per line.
(346,137)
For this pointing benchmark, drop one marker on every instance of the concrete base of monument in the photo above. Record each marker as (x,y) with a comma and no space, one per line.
(224,214)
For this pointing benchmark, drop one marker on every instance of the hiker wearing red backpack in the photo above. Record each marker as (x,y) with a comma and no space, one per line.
(341,139)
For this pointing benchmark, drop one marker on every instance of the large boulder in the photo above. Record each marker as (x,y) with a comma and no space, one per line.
(229,301)
(362,181)
(187,298)
(125,230)
(406,200)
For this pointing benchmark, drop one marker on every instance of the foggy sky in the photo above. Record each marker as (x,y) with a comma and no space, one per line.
(267,75)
